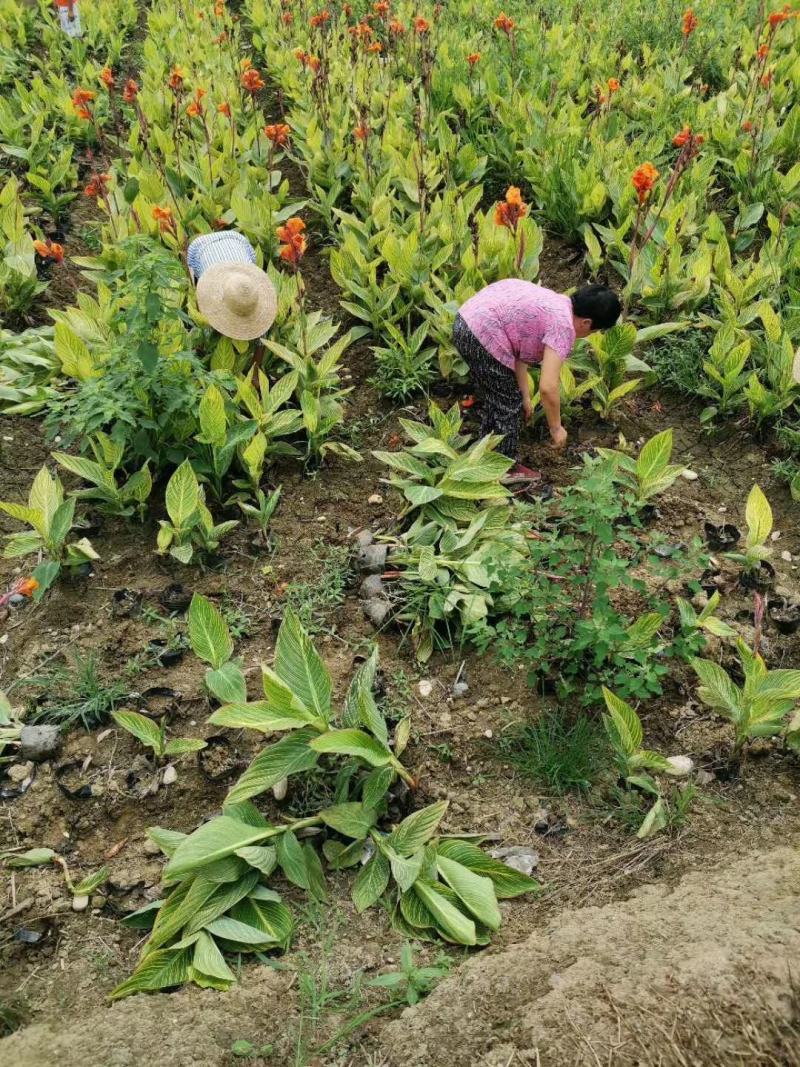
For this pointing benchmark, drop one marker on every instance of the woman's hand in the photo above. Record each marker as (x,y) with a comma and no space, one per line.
(558,436)
(527,407)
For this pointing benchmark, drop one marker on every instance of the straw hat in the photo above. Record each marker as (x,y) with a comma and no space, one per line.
(237,299)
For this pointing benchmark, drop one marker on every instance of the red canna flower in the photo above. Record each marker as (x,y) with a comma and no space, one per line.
(504,24)
(97,185)
(278,134)
(195,108)
(613,85)
(252,81)
(396,28)
(246,64)
(130,92)
(689,22)
(777,17)
(176,79)
(643,179)
(163,216)
(381,8)
(473,58)
(763,52)
(467,403)
(361,132)
(50,250)
(106,76)
(421,26)
(509,211)
(224,109)
(221,38)
(313,63)
(680,139)
(287,18)
(766,78)
(747,126)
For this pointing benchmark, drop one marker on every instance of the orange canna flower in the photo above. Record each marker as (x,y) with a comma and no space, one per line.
(643,179)
(313,63)
(291,228)
(766,78)
(509,211)
(82,96)
(50,250)
(287,18)
(320,19)
(473,58)
(421,26)
(26,586)
(221,38)
(381,8)
(163,216)
(504,23)
(613,85)
(130,92)
(195,108)
(747,126)
(361,132)
(278,134)
(246,64)
(396,28)
(106,76)
(97,185)
(375,47)
(176,79)
(680,139)
(777,17)
(293,243)
(252,81)
(224,109)
(763,52)
(219,8)
(84,114)
(689,22)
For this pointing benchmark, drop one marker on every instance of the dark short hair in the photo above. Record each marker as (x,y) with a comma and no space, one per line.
(598,303)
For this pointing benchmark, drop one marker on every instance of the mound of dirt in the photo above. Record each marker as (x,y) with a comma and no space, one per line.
(641,981)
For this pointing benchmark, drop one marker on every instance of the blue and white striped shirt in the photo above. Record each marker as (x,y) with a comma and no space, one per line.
(227,246)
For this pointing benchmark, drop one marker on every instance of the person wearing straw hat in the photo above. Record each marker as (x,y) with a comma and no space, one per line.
(235,296)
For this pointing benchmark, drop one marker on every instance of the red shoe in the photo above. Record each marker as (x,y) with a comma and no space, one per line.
(519,475)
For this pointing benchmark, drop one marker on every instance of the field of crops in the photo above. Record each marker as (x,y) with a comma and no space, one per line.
(318,745)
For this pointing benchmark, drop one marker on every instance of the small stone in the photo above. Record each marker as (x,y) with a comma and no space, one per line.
(541,821)
(98,901)
(518,857)
(786,557)
(170,775)
(488,733)
(377,610)
(689,475)
(372,587)
(280,789)
(80,903)
(151,848)
(20,771)
(704,777)
(460,689)
(372,559)
(680,766)
(39,743)
(775,535)
(425,688)
(376,498)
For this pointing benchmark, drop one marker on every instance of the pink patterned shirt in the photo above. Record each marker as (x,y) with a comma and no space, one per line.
(514,320)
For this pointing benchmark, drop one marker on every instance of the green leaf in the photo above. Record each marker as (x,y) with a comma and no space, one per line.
(351,819)
(371,882)
(654,457)
(161,969)
(452,922)
(182,496)
(182,746)
(300,667)
(353,743)
(208,632)
(208,967)
(227,683)
(87,885)
(214,840)
(716,688)
(418,828)
(224,897)
(242,933)
(405,869)
(34,857)
(626,729)
(474,890)
(167,840)
(507,881)
(142,728)
(292,860)
(263,858)
(211,414)
(758,514)
(288,756)
(656,819)
(376,785)
(143,918)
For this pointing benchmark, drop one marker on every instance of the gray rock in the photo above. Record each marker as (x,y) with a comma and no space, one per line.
(372,587)
(39,743)
(704,777)
(376,610)
(680,766)
(372,559)
(518,857)
(364,538)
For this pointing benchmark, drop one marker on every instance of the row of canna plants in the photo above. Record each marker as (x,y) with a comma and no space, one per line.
(219,880)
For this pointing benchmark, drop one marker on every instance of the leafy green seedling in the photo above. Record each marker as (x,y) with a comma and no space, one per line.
(210,638)
(146,731)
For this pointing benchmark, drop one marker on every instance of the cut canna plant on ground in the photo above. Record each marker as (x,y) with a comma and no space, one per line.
(217,898)
(758,708)
(51,519)
(155,736)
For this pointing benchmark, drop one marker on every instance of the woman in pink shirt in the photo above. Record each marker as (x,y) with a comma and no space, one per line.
(511,324)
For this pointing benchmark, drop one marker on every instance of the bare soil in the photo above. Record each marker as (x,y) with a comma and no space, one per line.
(655,927)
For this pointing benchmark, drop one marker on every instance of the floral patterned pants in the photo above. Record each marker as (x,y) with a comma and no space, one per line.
(496,386)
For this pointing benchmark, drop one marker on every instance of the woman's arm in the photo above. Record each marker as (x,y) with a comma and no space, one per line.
(521,374)
(550,394)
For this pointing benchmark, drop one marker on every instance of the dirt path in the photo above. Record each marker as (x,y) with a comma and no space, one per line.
(635,982)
